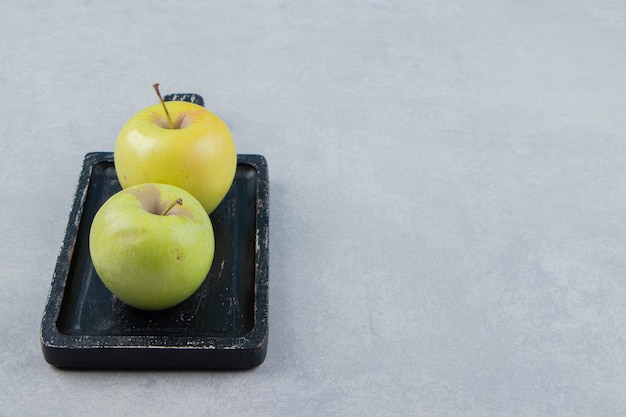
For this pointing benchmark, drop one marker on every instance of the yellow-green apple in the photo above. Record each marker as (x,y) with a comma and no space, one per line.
(182,144)
(152,245)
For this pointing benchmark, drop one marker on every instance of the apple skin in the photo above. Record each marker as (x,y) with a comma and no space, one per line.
(198,155)
(148,260)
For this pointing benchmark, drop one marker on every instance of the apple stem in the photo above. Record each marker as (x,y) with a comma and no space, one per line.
(178,201)
(167,114)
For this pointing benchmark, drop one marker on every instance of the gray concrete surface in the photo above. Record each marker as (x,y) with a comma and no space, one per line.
(447,197)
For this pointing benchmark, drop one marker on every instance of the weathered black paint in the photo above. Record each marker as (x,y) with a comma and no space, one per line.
(224,325)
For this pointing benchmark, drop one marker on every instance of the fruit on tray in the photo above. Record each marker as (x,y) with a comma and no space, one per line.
(152,245)
(178,143)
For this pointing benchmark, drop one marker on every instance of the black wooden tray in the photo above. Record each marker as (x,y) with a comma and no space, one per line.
(224,325)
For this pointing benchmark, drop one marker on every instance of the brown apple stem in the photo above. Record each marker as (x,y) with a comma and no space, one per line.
(167,114)
(178,201)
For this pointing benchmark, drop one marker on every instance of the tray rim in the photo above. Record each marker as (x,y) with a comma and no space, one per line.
(54,343)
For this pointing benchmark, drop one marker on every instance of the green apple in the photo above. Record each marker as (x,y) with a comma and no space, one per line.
(152,245)
(182,144)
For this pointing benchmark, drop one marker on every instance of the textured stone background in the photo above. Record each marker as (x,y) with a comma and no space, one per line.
(447,197)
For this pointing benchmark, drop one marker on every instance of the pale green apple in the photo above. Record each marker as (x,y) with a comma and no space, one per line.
(197,153)
(152,245)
